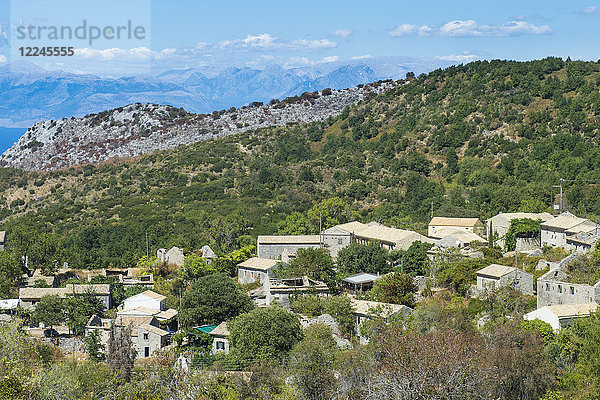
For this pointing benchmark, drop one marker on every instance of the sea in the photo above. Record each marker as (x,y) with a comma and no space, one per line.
(8,136)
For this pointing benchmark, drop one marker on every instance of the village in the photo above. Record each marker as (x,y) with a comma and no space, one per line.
(561,294)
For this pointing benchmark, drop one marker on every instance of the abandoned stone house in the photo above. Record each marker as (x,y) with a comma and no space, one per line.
(208,254)
(458,239)
(441,227)
(364,310)
(560,316)
(388,238)
(149,303)
(174,256)
(29,296)
(554,288)
(496,276)
(256,269)
(283,290)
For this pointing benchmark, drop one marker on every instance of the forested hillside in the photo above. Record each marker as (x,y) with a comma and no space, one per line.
(470,140)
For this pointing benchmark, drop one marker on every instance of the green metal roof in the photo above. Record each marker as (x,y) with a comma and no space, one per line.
(206,328)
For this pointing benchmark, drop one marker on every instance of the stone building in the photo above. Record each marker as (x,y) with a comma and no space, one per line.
(441,227)
(557,231)
(499,224)
(174,256)
(29,296)
(273,247)
(220,339)
(554,288)
(256,269)
(496,276)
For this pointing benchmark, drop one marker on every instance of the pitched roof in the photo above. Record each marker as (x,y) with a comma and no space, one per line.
(141,311)
(135,320)
(353,226)
(100,288)
(400,237)
(38,293)
(452,239)
(564,221)
(336,230)
(154,295)
(153,329)
(220,330)
(496,270)
(290,239)
(205,328)
(462,222)
(166,315)
(572,310)
(362,277)
(263,264)
(9,304)
(207,252)
(364,307)
(507,217)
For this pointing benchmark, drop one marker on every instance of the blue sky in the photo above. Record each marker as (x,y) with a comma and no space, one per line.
(186,33)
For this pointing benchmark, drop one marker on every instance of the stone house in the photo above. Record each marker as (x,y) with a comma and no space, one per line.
(29,297)
(364,310)
(174,256)
(150,339)
(559,316)
(335,239)
(441,227)
(496,276)
(388,238)
(458,239)
(256,269)
(273,247)
(554,288)
(557,231)
(2,239)
(208,254)
(220,339)
(282,290)
(146,304)
(146,335)
(500,223)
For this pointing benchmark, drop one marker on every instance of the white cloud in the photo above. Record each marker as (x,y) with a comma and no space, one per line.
(328,59)
(403,30)
(461,58)
(343,33)
(470,28)
(3,59)
(138,53)
(361,57)
(267,41)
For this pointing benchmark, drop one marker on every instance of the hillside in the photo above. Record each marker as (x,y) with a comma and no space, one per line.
(139,129)
(471,140)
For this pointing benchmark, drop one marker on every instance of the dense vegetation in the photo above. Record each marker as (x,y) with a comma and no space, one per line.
(473,140)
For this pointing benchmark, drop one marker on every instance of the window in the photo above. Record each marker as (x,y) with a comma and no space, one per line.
(547,287)
(340,240)
(146,351)
(220,346)
(145,336)
(572,290)
(559,288)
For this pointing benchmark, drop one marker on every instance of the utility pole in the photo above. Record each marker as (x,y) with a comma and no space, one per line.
(431,209)
(147,247)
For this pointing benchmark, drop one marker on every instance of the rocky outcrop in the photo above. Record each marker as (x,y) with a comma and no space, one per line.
(139,129)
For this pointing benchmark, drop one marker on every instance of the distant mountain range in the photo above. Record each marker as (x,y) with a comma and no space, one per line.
(29,94)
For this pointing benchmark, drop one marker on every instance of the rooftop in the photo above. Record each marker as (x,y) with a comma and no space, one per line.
(153,329)
(290,239)
(153,295)
(507,217)
(564,221)
(263,264)
(462,222)
(496,270)
(572,310)
(206,328)
(362,277)
(220,330)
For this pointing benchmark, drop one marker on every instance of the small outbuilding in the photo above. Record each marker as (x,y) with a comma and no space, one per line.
(496,276)
(256,269)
